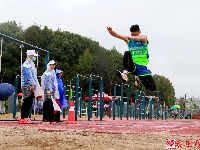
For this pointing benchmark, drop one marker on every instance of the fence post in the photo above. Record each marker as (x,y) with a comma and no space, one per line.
(150,108)
(136,113)
(140,105)
(90,98)
(101,99)
(15,98)
(143,106)
(76,100)
(46,60)
(158,114)
(128,99)
(81,101)
(97,111)
(64,109)
(121,102)
(114,102)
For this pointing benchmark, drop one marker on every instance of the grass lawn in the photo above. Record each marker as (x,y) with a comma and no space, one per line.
(10,116)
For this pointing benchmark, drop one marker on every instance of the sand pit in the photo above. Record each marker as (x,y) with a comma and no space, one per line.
(88,137)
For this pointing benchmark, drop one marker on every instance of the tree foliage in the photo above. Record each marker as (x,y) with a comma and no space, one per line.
(165,90)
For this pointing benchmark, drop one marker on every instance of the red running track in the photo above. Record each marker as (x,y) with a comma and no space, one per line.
(109,126)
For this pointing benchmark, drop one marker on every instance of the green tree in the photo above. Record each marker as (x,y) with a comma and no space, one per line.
(165,90)
(85,62)
(106,63)
(11,51)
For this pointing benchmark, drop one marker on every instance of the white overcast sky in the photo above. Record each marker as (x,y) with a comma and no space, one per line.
(172,28)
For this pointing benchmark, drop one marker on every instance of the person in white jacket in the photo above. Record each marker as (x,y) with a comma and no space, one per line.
(49,86)
(29,83)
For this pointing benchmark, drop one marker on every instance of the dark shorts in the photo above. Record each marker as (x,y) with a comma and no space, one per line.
(140,71)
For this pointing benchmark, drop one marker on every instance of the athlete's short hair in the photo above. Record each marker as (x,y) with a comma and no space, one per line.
(134,28)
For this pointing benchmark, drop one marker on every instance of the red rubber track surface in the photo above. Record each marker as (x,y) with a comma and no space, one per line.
(109,126)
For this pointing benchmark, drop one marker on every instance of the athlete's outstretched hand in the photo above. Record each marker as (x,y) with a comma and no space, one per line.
(110,30)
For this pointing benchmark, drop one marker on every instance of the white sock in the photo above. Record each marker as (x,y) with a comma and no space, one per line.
(125,71)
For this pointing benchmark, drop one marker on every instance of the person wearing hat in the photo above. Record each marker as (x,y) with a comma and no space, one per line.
(62,102)
(49,86)
(28,84)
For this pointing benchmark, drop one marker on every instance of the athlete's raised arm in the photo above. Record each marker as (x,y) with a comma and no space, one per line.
(115,34)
